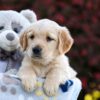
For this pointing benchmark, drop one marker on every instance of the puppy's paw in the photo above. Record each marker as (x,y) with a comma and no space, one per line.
(51,88)
(29,83)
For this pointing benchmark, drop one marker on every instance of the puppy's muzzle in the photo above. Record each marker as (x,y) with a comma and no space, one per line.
(37,51)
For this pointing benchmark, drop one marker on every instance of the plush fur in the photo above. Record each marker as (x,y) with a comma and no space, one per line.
(11,24)
(51,41)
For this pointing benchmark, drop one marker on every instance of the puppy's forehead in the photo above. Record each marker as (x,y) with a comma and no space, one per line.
(45,25)
(47,22)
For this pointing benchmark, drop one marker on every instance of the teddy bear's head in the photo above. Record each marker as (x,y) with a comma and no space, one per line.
(11,24)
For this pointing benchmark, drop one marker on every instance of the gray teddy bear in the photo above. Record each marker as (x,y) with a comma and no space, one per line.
(11,25)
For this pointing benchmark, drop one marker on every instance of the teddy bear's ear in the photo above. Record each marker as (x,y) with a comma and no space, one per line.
(65,40)
(30,15)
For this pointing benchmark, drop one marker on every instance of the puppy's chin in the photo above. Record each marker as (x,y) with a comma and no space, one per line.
(38,60)
(43,60)
(36,57)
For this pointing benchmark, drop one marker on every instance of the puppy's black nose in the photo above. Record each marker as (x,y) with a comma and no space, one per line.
(37,51)
(10,36)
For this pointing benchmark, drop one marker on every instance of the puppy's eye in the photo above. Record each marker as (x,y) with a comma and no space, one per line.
(31,37)
(49,39)
(1,27)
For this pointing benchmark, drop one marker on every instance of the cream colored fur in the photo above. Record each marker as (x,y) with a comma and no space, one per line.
(53,64)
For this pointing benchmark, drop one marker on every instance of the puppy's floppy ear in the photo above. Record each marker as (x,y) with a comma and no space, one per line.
(65,40)
(23,41)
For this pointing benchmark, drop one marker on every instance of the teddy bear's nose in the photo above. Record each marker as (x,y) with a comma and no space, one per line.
(10,36)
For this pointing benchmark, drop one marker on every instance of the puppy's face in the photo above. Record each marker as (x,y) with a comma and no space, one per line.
(45,40)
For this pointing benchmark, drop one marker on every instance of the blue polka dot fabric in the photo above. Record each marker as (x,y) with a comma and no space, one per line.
(10,89)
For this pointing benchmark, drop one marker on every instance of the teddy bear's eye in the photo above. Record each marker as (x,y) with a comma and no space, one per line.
(16,27)
(49,39)
(1,27)
(16,30)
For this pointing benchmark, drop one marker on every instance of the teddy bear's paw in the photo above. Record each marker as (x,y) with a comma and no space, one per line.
(51,88)
(29,84)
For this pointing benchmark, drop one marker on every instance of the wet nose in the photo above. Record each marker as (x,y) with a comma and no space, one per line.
(10,36)
(37,51)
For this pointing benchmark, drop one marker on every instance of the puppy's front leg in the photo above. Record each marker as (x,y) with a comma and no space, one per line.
(53,79)
(28,78)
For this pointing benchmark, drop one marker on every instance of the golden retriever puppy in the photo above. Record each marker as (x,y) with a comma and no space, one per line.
(44,44)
